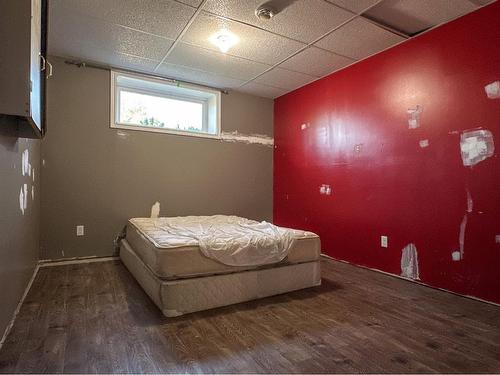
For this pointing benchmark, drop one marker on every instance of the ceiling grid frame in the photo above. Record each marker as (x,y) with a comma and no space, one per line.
(278,63)
(315,41)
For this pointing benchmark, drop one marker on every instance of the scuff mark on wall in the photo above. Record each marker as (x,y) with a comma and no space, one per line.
(33,192)
(155,210)
(423,143)
(249,139)
(476,146)
(409,262)
(493,90)
(414,117)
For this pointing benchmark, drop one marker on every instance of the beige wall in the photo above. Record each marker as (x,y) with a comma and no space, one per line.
(19,233)
(99,177)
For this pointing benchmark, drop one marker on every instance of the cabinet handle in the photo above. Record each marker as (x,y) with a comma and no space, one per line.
(44,63)
(49,74)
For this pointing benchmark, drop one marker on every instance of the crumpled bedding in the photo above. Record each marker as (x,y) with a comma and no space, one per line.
(231,240)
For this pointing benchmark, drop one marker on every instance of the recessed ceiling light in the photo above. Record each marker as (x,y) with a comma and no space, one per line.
(224,40)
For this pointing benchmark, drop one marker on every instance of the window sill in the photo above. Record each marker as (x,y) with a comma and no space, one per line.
(164,131)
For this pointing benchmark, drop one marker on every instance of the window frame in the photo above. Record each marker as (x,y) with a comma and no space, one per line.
(115,104)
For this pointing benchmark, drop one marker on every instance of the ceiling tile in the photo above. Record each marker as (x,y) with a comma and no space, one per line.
(316,62)
(482,2)
(193,3)
(254,44)
(262,90)
(300,20)
(160,17)
(197,76)
(104,57)
(284,79)
(413,16)
(70,31)
(358,39)
(354,5)
(215,62)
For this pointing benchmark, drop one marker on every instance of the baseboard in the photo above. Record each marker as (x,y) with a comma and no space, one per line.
(77,260)
(18,308)
(412,281)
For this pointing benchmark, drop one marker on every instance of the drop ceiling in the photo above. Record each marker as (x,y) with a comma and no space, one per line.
(305,40)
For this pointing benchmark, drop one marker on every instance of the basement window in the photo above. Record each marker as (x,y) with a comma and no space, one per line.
(140,102)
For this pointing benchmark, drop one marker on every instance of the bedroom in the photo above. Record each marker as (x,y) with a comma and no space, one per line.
(232,186)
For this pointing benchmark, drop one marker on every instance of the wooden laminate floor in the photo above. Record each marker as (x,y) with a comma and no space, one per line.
(94,318)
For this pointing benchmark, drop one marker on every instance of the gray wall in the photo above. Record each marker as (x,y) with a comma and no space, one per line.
(99,177)
(19,233)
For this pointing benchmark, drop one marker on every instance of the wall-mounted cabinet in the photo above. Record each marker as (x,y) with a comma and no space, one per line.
(23,67)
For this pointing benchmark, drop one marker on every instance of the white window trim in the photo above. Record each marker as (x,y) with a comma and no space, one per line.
(113,106)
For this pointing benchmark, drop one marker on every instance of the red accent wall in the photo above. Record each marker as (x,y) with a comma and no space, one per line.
(350,130)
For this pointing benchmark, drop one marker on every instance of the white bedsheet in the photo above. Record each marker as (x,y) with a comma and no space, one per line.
(231,240)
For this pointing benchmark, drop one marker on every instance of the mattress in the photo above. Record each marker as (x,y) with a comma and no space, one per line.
(175,258)
(182,296)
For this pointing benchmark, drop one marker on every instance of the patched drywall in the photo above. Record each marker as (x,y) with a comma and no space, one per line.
(408,139)
(19,219)
(99,177)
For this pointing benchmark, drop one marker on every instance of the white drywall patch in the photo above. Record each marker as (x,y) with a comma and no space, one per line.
(461,236)
(33,172)
(25,162)
(476,146)
(305,126)
(25,197)
(493,90)
(414,117)
(122,134)
(325,189)
(423,143)
(249,139)
(409,262)
(470,202)
(21,200)
(155,210)
(459,254)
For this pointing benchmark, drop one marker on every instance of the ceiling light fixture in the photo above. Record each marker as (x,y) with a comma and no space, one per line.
(224,40)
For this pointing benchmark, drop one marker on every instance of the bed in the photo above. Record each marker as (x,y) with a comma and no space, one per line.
(194,263)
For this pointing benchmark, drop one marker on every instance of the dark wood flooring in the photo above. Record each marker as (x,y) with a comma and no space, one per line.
(94,318)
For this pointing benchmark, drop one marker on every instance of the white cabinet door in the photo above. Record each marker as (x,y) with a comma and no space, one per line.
(35,64)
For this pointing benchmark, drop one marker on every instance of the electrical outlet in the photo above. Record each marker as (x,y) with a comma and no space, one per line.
(80,230)
(383,241)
